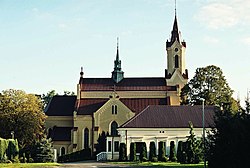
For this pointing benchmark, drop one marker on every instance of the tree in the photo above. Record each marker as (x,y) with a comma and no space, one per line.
(68,93)
(229,140)
(152,151)
(193,147)
(101,142)
(179,151)
(208,83)
(21,114)
(122,152)
(47,97)
(132,151)
(172,156)
(161,151)
(43,151)
(143,152)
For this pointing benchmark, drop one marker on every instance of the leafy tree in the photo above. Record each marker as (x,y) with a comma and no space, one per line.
(43,151)
(122,152)
(152,150)
(208,83)
(23,114)
(229,140)
(47,97)
(194,147)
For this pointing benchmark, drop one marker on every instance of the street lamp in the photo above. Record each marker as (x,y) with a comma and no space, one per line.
(203,129)
(12,134)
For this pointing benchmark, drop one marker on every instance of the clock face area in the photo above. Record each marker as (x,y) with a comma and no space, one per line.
(176,49)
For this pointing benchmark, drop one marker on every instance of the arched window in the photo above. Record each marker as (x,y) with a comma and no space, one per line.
(114,109)
(176,61)
(62,151)
(86,138)
(114,127)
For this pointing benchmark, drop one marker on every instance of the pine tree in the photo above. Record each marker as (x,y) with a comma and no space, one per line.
(122,152)
(172,156)
(43,151)
(132,151)
(152,151)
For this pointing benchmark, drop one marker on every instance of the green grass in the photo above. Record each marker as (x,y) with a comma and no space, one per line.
(161,164)
(29,165)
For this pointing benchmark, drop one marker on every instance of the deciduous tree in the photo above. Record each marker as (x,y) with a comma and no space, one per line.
(21,114)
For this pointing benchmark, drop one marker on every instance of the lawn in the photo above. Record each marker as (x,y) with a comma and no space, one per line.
(162,164)
(28,165)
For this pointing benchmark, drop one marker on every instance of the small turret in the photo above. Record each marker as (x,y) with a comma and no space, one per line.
(117,74)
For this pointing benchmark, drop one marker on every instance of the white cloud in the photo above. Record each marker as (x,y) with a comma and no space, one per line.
(211,40)
(224,14)
(246,41)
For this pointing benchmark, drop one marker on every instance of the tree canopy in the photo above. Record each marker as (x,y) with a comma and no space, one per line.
(21,114)
(210,84)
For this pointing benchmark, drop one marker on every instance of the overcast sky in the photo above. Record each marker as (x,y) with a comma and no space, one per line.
(44,43)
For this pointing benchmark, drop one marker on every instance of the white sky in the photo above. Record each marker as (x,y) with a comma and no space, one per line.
(44,43)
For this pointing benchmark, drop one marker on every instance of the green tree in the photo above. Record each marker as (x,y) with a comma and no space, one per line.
(229,141)
(208,83)
(68,93)
(194,147)
(47,97)
(132,151)
(161,151)
(43,151)
(101,143)
(23,115)
(172,156)
(122,152)
(152,150)
(143,152)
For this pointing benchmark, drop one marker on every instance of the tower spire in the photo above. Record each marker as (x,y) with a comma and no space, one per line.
(117,74)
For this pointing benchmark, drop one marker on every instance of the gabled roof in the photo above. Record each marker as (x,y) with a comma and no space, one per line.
(171,117)
(61,106)
(139,104)
(89,106)
(126,84)
(61,134)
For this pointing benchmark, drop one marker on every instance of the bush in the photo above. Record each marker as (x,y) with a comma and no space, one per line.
(9,150)
(143,151)
(164,159)
(179,151)
(172,156)
(132,151)
(152,151)
(161,151)
(122,152)
(154,159)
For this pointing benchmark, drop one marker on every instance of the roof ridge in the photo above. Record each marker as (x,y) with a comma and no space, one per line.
(135,117)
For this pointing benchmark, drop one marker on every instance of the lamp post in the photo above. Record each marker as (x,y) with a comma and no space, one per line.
(203,130)
(12,134)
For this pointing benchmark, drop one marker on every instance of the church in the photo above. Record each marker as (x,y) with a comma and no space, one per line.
(126,109)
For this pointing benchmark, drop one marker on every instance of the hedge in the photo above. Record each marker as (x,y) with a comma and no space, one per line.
(8,149)
(84,154)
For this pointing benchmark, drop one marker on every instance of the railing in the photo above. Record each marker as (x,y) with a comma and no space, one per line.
(101,156)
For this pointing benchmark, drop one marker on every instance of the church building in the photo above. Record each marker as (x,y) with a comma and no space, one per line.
(108,104)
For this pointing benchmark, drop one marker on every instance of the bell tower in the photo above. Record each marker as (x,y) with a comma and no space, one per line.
(176,72)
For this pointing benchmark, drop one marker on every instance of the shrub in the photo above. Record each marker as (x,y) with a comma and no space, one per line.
(132,151)
(161,151)
(172,156)
(143,151)
(122,152)
(179,151)
(154,159)
(152,151)
(164,159)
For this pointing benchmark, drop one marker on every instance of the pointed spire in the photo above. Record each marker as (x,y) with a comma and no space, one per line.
(117,51)
(117,74)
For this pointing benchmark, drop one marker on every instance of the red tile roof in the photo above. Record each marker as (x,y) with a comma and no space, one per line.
(137,105)
(127,84)
(89,106)
(61,106)
(171,117)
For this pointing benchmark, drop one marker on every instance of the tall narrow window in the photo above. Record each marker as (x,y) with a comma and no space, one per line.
(62,151)
(176,60)
(114,109)
(114,127)
(86,138)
